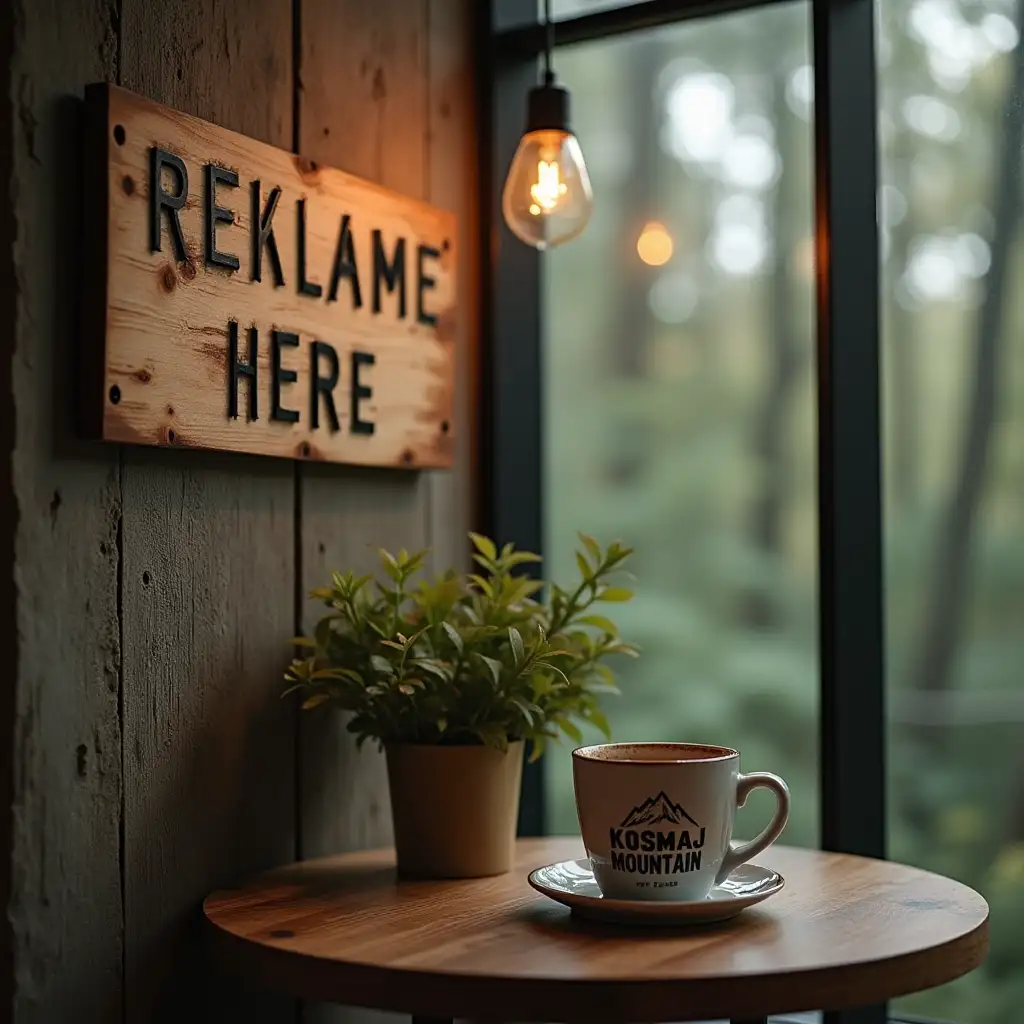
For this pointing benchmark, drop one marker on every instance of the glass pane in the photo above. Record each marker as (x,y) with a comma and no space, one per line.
(950,92)
(679,388)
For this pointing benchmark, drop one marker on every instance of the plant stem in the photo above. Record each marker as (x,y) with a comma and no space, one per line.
(571,608)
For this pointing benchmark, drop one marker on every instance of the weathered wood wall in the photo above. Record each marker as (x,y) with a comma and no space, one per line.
(151,593)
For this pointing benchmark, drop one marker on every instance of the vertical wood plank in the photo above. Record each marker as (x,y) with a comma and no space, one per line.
(454,185)
(206,545)
(208,577)
(64,917)
(363,108)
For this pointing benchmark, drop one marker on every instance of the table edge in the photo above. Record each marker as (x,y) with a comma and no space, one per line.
(549,1000)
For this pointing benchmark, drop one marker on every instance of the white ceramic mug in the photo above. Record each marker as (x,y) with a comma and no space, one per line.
(657,818)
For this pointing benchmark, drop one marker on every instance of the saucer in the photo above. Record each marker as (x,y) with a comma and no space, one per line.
(572,882)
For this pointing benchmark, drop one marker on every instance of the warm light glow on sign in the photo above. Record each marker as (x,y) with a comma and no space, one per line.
(247,299)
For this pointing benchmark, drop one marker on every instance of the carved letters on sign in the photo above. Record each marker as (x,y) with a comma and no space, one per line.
(248,300)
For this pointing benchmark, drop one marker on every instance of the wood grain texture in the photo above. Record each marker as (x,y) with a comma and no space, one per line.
(367,115)
(167,322)
(344,792)
(454,185)
(208,574)
(64,917)
(152,757)
(845,931)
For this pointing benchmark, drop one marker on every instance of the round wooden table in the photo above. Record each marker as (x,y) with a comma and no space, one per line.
(845,931)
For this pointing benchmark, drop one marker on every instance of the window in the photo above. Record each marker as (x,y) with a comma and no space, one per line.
(950,89)
(636,392)
(679,396)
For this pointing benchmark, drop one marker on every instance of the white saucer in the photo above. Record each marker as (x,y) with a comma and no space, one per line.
(572,882)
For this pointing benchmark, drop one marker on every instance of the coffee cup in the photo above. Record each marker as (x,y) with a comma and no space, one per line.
(657,818)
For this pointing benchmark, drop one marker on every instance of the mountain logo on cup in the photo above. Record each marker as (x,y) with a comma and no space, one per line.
(639,847)
(656,809)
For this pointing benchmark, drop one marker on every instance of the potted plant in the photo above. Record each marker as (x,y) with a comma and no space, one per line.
(452,677)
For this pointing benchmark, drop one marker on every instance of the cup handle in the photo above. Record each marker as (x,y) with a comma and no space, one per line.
(744,784)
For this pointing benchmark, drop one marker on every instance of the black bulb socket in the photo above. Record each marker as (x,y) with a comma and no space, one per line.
(547,109)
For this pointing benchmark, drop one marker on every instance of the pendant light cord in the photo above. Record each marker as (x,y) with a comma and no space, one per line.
(549,25)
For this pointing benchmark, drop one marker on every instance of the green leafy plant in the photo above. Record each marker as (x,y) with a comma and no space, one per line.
(476,658)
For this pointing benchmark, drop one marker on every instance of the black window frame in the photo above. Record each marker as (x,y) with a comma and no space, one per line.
(852,732)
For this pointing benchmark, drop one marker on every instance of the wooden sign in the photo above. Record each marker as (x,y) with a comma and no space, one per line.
(242,298)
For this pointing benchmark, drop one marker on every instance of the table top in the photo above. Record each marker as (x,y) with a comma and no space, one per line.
(844,931)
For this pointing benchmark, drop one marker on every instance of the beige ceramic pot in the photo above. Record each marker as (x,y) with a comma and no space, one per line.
(454,809)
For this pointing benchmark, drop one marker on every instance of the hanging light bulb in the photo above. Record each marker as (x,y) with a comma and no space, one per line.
(547,199)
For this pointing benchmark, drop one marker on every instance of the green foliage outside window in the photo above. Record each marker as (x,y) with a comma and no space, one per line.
(679,411)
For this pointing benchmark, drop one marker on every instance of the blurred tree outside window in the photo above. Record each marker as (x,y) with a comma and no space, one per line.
(679,416)
(951,89)
(679,386)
